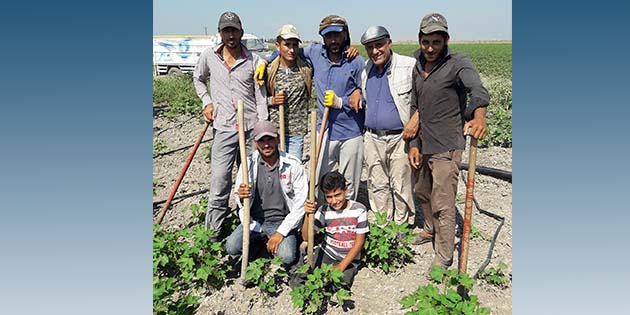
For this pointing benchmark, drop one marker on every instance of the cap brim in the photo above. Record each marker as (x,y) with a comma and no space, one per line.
(266,133)
(372,39)
(433,28)
(332,28)
(229,24)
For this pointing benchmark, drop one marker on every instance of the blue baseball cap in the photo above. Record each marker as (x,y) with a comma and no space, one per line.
(331,28)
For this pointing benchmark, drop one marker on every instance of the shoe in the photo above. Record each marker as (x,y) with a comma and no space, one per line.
(422,237)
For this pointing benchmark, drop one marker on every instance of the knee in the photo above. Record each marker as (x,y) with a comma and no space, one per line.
(233,246)
(287,255)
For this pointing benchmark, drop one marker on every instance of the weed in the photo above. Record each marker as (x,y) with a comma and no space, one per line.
(444,299)
(387,246)
(315,294)
(496,276)
(179,93)
(159,146)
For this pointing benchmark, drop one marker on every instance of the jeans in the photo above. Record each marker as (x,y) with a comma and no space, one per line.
(286,250)
(294,145)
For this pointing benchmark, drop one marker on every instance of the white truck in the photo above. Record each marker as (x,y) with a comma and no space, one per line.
(178,54)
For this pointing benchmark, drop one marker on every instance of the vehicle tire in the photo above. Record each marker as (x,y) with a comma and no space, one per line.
(173,71)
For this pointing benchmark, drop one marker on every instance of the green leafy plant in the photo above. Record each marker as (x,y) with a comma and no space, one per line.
(314,296)
(496,276)
(267,274)
(444,299)
(179,93)
(159,146)
(388,245)
(185,262)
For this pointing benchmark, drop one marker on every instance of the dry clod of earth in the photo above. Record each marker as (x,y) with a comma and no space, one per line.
(373,292)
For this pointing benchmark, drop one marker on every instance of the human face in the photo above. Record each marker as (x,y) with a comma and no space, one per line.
(379,51)
(336,198)
(288,49)
(432,46)
(334,41)
(231,37)
(267,146)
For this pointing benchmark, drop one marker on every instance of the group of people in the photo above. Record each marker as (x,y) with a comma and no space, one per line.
(408,116)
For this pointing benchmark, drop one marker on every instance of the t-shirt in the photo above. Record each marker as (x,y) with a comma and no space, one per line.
(341,227)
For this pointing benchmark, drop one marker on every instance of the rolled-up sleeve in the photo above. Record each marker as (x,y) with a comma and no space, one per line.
(478,95)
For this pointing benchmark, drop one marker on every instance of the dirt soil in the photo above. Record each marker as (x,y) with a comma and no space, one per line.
(373,292)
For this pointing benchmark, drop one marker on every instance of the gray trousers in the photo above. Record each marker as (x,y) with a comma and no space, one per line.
(390,189)
(437,189)
(347,157)
(225,151)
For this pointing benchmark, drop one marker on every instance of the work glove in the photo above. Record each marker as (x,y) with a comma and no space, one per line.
(332,100)
(259,74)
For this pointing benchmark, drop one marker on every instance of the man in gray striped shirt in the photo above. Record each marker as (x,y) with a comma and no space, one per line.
(229,68)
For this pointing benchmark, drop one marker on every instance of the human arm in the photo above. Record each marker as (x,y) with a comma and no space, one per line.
(201,75)
(300,193)
(260,94)
(309,208)
(478,98)
(240,192)
(354,251)
(412,126)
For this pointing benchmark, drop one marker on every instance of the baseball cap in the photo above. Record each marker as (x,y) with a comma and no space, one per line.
(332,23)
(230,19)
(264,128)
(288,31)
(374,33)
(433,22)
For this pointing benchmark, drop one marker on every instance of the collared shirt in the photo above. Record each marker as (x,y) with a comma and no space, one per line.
(268,202)
(343,78)
(381,112)
(227,86)
(441,99)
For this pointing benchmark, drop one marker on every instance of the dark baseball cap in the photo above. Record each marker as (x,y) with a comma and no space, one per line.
(230,19)
(264,128)
(332,23)
(433,22)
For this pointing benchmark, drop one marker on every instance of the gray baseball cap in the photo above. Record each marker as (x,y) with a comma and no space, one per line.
(374,33)
(230,19)
(264,128)
(433,22)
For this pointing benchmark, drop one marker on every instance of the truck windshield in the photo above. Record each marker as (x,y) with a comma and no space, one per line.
(254,44)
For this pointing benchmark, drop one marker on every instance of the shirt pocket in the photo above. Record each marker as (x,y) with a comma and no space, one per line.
(403,88)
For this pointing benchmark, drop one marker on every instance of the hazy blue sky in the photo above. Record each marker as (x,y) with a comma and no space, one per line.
(468,20)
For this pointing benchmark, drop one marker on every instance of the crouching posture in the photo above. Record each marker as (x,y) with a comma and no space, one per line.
(278,190)
(345,222)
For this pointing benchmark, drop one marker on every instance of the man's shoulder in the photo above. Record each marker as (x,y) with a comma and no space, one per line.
(355,207)
(404,61)
(460,59)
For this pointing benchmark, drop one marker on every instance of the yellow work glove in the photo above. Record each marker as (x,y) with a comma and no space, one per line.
(259,74)
(332,100)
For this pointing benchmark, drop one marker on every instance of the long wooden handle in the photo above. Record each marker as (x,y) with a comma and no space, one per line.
(246,202)
(281,123)
(322,129)
(311,196)
(181,174)
(470,187)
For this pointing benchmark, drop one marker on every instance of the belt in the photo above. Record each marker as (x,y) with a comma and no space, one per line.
(381,133)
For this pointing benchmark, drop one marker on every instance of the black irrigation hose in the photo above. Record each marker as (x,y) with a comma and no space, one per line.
(492,215)
(199,192)
(489,171)
(179,149)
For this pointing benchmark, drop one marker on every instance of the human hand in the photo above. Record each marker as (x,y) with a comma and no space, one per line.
(278,98)
(476,128)
(415,158)
(355,100)
(273,242)
(259,74)
(208,113)
(310,206)
(244,191)
(332,100)
(411,128)
(351,52)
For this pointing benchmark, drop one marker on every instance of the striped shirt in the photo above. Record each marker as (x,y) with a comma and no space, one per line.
(227,86)
(342,228)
